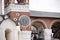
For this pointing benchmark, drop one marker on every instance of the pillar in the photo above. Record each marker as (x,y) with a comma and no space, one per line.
(47,34)
(24,35)
(13,35)
(19,35)
(2,7)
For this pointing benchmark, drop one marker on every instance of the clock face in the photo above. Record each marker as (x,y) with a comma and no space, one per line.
(24,20)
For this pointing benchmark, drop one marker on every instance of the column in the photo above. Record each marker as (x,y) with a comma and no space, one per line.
(25,35)
(47,34)
(13,35)
(2,7)
(2,35)
(19,35)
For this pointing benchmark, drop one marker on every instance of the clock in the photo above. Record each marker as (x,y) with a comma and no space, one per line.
(24,20)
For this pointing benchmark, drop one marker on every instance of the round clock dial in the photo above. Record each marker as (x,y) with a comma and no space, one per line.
(24,20)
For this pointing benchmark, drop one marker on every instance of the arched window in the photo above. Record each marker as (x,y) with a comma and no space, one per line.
(37,29)
(56,30)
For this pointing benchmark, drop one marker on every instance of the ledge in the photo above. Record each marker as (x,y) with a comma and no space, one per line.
(17,8)
(44,14)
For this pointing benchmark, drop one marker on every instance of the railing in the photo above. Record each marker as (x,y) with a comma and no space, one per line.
(17,8)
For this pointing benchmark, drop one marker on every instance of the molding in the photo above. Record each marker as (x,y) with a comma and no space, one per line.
(44,14)
(17,8)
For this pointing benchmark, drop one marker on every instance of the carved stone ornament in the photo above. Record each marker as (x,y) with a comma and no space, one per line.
(15,19)
(17,14)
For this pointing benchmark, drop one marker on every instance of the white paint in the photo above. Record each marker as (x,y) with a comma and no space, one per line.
(16,1)
(0,7)
(6,16)
(47,34)
(13,33)
(8,24)
(45,5)
(25,35)
(18,28)
(52,34)
(17,8)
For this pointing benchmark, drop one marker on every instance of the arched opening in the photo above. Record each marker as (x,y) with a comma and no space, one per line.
(7,34)
(37,31)
(56,30)
(8,31)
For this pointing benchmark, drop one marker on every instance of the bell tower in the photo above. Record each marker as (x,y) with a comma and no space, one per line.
(18,11)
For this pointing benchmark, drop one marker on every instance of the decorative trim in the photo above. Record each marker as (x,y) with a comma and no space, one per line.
(17,8)
(15,19)
(17,14)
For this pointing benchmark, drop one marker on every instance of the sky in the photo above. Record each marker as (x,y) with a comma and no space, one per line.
(45,5)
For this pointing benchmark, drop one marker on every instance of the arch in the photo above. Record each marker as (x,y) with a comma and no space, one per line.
(55,26)
(41,21)
(8,30)
(38,31)
(54,21)
(8,24)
